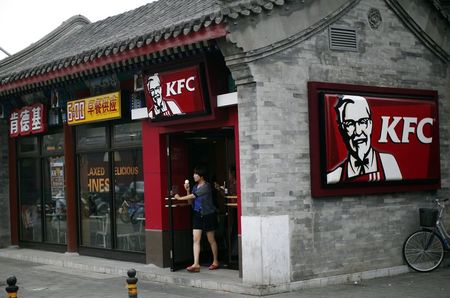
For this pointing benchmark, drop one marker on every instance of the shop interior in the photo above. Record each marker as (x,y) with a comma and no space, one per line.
(215,151)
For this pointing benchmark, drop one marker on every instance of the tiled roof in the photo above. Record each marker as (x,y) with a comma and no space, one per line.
(78,41)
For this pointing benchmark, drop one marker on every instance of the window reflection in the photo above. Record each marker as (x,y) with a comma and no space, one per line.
(110,174)
(53,143)
(129,194)
(91,137)
(30,200)
(27,145)
(127,134)
(55,200)
(95,198)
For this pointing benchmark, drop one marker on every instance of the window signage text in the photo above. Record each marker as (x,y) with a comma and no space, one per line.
(27,120)
(97,108)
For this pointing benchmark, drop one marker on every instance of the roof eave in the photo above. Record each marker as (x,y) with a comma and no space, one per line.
(204,34)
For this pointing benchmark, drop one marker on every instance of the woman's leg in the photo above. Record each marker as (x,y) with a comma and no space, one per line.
(197,236)
(213,243)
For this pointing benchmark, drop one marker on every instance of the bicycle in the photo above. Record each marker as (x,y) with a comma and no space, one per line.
(424,250)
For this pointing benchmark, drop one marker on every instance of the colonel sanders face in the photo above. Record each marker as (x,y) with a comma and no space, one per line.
(154,89)
(354,118)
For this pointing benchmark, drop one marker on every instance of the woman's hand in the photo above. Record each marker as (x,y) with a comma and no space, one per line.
(176,196)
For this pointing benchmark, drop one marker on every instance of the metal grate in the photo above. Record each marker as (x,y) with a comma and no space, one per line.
(343,39)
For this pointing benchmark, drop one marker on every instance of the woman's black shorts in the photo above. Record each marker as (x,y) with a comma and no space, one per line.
(205,223)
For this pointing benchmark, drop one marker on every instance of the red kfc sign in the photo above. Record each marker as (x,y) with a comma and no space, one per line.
(28,120)
(373,139)
(174,93)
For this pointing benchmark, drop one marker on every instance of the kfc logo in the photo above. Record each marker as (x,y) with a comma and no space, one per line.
(367,139)
(363,163)
(372,139)
(174,93)
(410,126)
(28,120)
(160,105)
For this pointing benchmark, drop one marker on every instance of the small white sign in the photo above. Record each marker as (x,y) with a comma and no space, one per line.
(227,99)
(141,113)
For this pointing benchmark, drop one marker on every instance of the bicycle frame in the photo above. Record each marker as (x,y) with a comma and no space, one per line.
(441,230)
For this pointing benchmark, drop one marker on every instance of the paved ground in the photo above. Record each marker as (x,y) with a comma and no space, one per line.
(37,280)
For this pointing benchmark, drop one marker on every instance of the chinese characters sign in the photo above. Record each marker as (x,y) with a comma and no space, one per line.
(367,137)
(28,120)
(174,93)
(97,108)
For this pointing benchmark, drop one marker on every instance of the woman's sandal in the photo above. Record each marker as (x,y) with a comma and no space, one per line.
(193,269)
(213,267)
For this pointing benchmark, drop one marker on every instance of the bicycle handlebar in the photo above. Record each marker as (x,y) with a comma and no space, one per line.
(441,201)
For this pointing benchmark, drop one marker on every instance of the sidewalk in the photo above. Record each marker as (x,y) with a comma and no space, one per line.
(48,274)
(217,280)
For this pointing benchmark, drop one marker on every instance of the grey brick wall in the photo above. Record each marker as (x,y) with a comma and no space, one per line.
(4,186)
(332,236)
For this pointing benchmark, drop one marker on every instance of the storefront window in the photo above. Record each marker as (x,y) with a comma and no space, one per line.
(95,198)
(127,134)
(42,188)
(89,137)
(28,145)
(55,200)
(111,187)
(129,193)
(53,143)
(30,200)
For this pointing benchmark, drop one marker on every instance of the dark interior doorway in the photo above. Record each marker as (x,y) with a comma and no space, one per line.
(215,151)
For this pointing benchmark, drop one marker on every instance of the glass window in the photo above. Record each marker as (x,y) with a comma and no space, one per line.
(30,200)
(27,145)
(41,185)
(128,134)
(53,143)
(91,137)
(129,194)
(95,199)
(111,187)
(55,200)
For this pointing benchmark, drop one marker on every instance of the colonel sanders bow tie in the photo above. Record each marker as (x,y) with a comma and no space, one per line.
(362,163)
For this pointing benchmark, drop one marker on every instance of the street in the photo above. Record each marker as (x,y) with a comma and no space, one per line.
(39,280)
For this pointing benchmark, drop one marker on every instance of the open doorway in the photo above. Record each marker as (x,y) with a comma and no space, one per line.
(215,151)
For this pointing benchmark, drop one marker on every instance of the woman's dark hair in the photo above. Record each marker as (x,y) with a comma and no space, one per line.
(199,170)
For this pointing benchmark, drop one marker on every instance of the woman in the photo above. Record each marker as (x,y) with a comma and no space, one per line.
(204,218)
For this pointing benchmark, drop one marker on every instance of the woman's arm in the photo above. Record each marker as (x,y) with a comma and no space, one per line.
(188,197)
(184,198)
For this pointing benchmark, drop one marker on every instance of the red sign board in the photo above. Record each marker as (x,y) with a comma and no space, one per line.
(373,139)
(174,94)
(28,120)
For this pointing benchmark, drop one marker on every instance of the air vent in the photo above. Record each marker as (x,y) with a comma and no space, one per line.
(343,39)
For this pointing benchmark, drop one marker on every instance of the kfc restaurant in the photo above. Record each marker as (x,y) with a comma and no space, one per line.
(322,138)
(92,149)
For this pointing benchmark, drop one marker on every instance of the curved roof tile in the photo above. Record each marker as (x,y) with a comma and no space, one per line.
(77,40)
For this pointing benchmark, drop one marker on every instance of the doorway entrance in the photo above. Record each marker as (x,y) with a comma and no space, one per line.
(214,150)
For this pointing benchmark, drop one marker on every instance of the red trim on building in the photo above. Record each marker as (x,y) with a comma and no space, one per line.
(71,199)
(13,195)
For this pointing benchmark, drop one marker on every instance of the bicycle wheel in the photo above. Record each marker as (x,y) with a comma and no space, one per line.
(423,251)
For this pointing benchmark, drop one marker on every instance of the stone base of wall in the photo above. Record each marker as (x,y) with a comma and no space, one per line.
(331,280)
